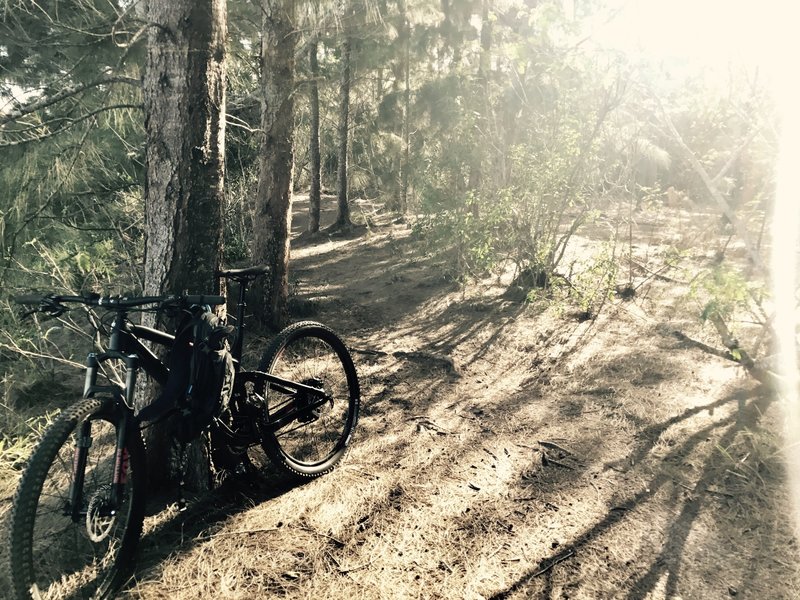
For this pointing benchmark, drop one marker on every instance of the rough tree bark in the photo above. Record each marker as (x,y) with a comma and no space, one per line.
(314,197)
(272,220)
(343,218)
(184,98)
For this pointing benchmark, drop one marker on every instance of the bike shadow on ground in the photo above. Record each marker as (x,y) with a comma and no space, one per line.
(205,515)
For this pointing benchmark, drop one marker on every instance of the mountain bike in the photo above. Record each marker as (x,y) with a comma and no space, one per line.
(78,511)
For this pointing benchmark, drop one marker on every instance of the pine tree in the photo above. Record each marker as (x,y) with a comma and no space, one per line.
(184,91)
(272,220)
(343,137)
(314,196)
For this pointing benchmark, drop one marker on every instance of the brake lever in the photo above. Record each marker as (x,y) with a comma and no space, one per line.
(48,314)
(57,311)
(48,305)
(52,308)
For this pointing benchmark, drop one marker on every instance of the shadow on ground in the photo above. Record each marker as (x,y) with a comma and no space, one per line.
(666,563)
(205,516)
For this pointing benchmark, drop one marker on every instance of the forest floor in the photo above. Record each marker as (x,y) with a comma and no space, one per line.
(505,449)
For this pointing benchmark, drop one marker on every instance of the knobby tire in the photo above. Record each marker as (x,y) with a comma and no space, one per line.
(49,553)
(311,353)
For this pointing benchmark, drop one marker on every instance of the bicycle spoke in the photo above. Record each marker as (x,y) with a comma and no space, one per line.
(312,441)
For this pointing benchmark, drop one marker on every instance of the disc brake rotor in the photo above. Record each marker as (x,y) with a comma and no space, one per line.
(305,400)
(100,515)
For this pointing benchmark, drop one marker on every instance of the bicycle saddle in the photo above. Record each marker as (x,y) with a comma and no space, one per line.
(248,273)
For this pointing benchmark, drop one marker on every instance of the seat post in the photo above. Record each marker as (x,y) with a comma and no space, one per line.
(242,277)
(237,344)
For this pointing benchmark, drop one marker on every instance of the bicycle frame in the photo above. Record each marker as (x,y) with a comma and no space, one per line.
(261,379)
(125,345)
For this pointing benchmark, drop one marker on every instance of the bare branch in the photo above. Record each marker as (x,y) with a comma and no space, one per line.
(16,349)
(713,191)
(235,121)
(735,154)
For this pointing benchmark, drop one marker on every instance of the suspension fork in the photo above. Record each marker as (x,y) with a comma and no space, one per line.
(120,465)
(84,441)
(121,456)
(120,476)
(82,445)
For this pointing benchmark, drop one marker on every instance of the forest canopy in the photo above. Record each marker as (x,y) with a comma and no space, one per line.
(497,128)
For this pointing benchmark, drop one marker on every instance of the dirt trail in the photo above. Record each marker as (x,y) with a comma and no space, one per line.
(504,451)
(507,451)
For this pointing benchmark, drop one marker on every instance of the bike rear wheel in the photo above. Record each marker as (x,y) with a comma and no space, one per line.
(313,442)
(87,550)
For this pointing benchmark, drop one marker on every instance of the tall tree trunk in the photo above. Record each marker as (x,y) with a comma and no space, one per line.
(451,30)
(485,60)
(314,197)
(272,221)
(484,67)
(184,98)
(406,113)
(343,219)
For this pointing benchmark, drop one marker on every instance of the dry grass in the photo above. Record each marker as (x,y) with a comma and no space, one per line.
(547,459)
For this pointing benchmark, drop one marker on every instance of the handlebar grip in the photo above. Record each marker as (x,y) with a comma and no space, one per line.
(204,299)
(28,299)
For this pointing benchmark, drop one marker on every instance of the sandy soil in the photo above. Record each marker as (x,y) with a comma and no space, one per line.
(507,451)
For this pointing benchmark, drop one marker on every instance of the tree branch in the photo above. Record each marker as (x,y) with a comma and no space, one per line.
(71,123)
(735,155)
(15,349)
(712,189)
(735,353)
(62,95)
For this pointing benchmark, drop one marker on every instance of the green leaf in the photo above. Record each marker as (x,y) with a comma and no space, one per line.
(84,262)
(708,311)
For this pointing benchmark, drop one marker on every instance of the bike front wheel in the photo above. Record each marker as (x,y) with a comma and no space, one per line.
(73,533)
(306,437)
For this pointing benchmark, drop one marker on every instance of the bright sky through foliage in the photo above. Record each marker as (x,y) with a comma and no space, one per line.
(720,37)
(709,32)
(725,35)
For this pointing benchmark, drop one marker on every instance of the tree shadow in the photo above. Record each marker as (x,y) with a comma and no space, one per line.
(669,560)
(382,283)
(396,273)
(449,329)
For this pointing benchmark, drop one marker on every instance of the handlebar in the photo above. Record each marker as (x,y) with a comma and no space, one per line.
(52,303)
(27,299)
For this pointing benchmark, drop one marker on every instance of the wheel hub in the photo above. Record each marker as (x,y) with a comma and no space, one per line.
(100,515)
(305,400)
